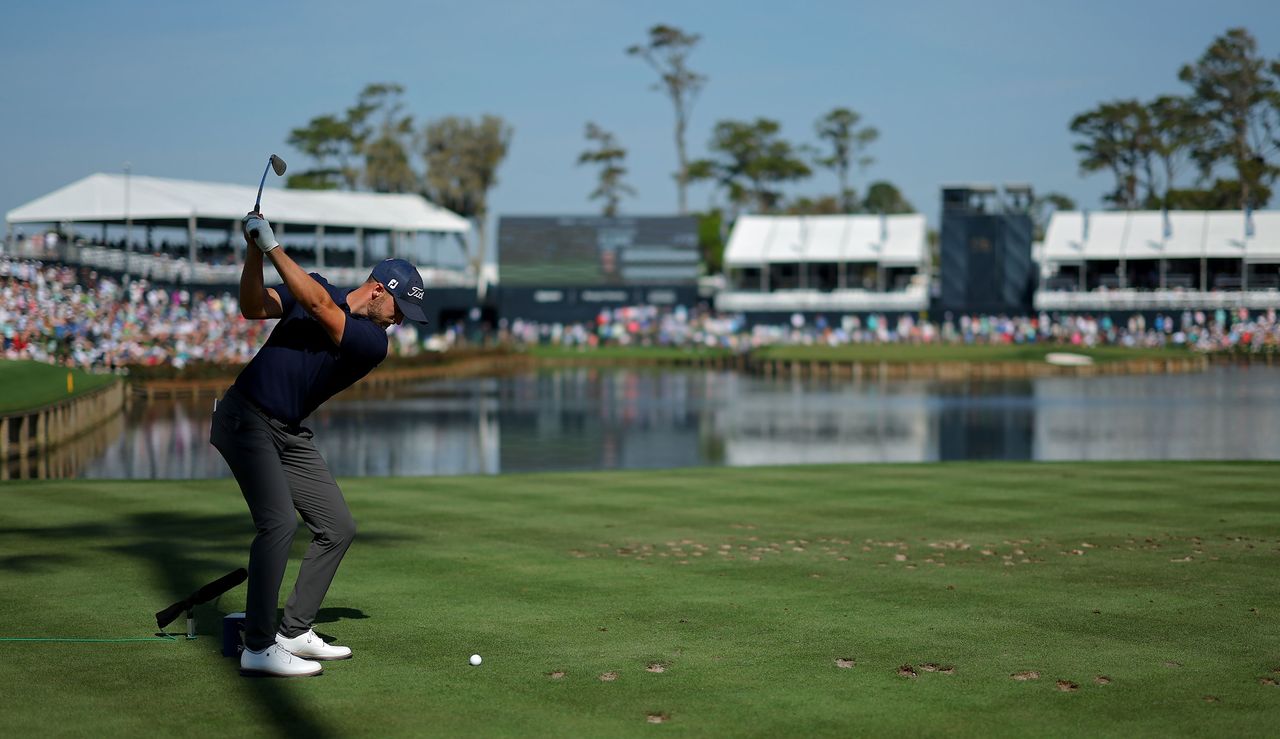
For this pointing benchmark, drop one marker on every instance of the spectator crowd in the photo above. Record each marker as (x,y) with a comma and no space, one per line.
(78,317)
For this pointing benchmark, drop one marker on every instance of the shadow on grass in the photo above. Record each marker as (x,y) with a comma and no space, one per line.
(184,551)
(333,615)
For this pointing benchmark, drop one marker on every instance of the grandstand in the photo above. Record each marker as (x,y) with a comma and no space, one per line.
(186,232)
(826,264)
(1154,261)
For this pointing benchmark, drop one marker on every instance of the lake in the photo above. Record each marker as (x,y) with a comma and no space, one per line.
(593,419)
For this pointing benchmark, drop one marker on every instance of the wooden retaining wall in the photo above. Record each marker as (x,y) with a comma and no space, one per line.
(376,380)
(68,459)
(1266,359)
(510,363)
(34,433)
(738,362)
(970,370)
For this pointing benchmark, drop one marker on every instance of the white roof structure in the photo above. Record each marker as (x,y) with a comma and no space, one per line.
(891,240)
(100,198)
(1074,236)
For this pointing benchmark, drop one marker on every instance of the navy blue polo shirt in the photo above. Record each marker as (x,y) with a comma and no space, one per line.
(300,367)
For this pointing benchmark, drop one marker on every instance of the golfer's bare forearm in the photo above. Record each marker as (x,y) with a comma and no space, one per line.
(309,293)
(252,292)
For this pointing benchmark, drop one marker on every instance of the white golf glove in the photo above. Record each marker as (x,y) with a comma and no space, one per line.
(258,231)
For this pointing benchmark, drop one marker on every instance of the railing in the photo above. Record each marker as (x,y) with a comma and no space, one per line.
(912,299)
(165,269)
(1118,300)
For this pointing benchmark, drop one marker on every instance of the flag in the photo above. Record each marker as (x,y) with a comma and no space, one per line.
(1168,226)
(1248,221)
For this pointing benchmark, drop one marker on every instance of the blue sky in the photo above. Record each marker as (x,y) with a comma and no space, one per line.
(975,91)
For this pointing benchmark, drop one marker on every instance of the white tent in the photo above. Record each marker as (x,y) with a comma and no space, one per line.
(832,253)
(101,198)
(891,240)
(107,199)
(1074,236)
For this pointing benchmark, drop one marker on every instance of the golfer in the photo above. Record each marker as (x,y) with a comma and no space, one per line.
(327,339)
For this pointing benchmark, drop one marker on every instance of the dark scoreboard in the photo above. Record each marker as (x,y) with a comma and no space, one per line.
(536,251)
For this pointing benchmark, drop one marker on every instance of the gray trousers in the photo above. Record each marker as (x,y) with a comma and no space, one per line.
(280,470)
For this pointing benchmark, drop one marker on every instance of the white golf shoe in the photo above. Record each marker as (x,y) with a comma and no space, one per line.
(276,662)
(311,646)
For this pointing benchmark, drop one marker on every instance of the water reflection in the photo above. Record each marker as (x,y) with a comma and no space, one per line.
(630,418)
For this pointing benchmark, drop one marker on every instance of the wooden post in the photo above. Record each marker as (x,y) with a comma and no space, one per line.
(24,442)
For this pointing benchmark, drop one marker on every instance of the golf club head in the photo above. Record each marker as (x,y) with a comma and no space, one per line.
(274,164)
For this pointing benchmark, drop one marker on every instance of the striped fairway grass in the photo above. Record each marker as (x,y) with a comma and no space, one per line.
(814,601)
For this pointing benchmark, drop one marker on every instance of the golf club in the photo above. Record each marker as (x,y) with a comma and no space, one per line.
(274,163)
(205,594)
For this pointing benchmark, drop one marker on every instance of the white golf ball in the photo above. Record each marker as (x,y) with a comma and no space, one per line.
(475,659)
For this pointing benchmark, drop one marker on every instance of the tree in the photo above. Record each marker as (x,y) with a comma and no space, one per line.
(711,240)
(848,144)
(1236,94)
(667,50)
(331,144)
(385,139)
(823,205)
(884,197)
(609,155)
(753,161)
(1043,208)
(338,143)
(1176,133)
(462,158)
(1117,138)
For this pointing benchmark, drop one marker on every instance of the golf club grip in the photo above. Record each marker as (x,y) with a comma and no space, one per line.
(165,617)
(206,593)
(218,587)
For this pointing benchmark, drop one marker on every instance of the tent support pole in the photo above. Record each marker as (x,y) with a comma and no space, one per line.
(191,240)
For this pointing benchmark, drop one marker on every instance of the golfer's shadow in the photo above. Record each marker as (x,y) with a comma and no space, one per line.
(334,615)
(183,551)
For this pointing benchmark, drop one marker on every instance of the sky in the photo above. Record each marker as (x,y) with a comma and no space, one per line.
(960,92)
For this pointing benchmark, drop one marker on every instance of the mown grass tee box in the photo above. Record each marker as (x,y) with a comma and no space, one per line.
(815,601)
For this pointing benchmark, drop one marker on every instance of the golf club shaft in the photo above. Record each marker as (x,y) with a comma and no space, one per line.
(257,204)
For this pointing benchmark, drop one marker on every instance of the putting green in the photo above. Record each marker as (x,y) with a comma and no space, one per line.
(775,602)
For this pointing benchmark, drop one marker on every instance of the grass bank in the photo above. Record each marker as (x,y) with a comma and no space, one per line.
(25,384)
(764,602)
(622,354)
